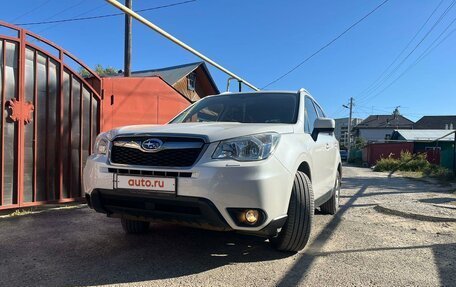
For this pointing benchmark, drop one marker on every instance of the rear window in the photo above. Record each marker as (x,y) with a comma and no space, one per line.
(244,108)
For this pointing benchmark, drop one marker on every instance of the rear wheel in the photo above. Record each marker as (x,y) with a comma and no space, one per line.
(296,231)
(332,205)
(134,226)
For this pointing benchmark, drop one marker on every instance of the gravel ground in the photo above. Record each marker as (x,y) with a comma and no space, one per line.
(358,247)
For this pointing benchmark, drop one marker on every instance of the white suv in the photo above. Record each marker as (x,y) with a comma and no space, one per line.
(257,163)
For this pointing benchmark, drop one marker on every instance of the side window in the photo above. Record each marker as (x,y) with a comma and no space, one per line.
(310,115)
(320,112)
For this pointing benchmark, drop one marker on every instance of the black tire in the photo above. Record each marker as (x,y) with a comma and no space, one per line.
(135,226)
(332,205)
(296,231)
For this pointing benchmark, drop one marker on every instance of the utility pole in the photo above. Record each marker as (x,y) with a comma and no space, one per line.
(127,56)
(350,106)
(178,42)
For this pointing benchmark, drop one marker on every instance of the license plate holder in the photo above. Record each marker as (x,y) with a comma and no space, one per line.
(146,183)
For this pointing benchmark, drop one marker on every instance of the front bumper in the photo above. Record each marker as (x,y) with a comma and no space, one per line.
(146,206)
(215,186)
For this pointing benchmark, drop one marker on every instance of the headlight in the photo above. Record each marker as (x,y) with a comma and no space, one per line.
(247,148)
(101,144)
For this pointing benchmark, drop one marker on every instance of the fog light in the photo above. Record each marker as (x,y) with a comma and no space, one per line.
(251,216)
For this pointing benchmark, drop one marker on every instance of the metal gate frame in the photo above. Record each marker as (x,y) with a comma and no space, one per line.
(94,86)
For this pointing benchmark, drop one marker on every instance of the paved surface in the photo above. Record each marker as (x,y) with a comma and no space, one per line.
(358,247)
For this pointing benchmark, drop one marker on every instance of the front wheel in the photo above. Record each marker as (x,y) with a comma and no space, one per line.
(134,226)
(296,231)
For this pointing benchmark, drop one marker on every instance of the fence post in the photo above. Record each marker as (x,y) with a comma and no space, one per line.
(454,155)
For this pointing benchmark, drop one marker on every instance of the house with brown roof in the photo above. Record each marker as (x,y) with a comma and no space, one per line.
(192,80)
(436,123)
(380,127)
(153,96)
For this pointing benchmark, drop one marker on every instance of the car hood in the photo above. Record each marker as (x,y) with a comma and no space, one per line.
(210,131)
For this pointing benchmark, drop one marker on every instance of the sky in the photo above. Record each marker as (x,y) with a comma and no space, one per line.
(261,40)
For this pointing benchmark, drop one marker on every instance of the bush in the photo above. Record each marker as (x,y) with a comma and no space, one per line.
(387,164)
(411,162)
(438,171)
(415,163)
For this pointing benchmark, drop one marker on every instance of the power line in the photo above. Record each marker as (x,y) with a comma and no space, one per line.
(31,11)
(367,96)
(326,45)
(336,113)
(66,9)
(101,16)
(429,49)
(373,84)
(420,58)
(78,15)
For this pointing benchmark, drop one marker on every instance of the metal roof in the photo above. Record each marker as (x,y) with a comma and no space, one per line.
(173,74)
(423,135)
(170,74)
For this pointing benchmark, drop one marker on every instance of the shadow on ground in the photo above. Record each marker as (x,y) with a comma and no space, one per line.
(439,200)
(80,247)
(84,248)
(444,254)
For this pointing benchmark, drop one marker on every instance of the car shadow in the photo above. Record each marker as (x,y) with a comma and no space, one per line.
(83,248)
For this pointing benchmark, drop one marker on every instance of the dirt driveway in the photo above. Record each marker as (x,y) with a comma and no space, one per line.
(360,246)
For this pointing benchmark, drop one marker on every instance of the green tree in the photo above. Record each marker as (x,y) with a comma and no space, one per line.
(102,72)
(359,143)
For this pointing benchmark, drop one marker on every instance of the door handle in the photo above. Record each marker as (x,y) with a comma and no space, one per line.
(327,145)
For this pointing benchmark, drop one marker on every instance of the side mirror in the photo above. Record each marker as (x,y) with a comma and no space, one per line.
(323,125)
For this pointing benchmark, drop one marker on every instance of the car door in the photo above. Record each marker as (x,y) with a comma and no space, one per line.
(332,151)
(318,150)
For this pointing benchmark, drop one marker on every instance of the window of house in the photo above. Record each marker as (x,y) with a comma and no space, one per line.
(191,80)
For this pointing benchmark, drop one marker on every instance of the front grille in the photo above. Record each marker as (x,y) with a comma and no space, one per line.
(184,157)
(149,172)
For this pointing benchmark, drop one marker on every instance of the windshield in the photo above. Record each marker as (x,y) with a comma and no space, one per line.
(244,108)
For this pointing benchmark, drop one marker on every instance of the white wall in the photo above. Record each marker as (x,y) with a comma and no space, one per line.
(374,134)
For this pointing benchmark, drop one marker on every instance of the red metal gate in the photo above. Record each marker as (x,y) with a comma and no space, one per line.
(49,119)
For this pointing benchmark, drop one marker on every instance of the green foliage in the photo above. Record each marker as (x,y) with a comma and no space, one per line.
(438,171)
(387,164)
(406,162)
(412,162)
(359,143)
(102,72)
(417,162)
